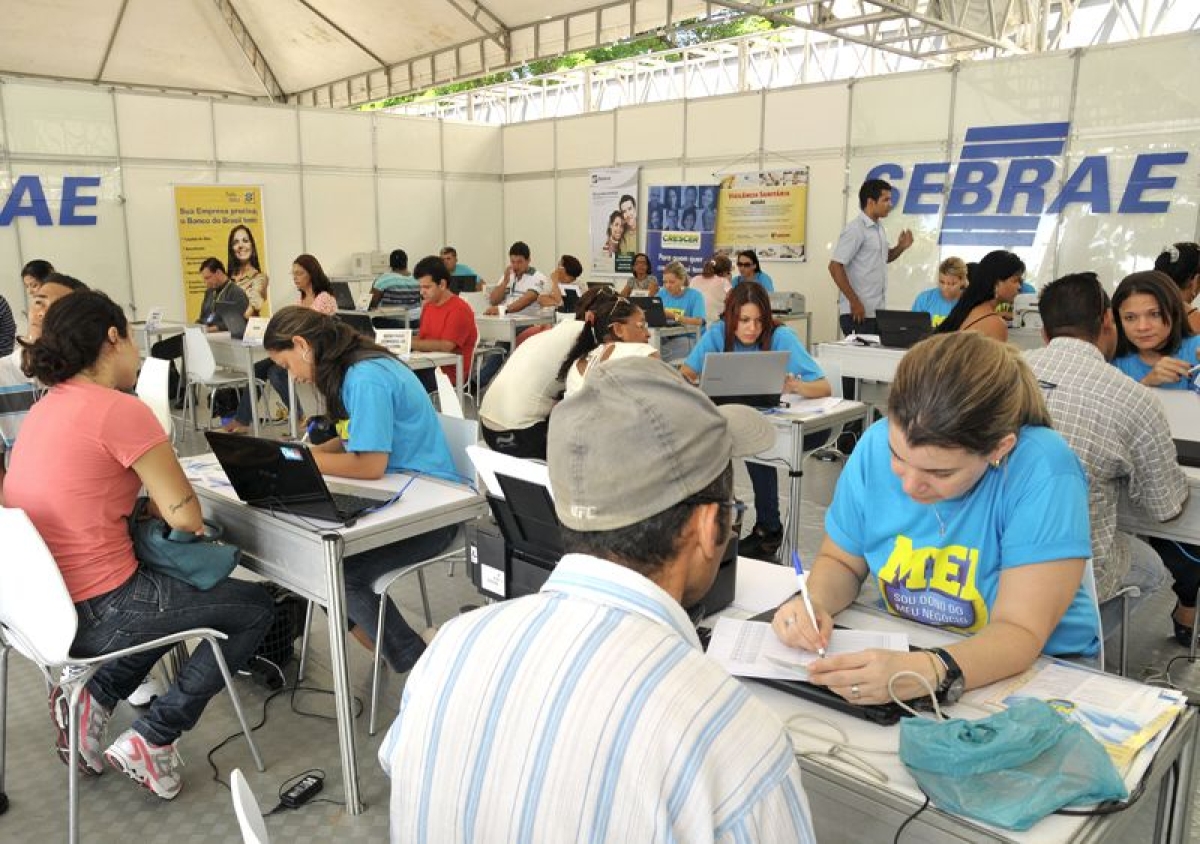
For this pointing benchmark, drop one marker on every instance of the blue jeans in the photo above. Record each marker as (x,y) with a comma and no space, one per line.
(764,479)
(402,646)
(150,605)
(277,376)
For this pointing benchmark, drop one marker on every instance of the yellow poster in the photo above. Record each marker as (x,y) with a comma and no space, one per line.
(765,212)
(223,222)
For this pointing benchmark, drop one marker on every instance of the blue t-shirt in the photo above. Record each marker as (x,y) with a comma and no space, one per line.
(462,269)
(391,412)
(932,302)
(690,302)
(1026,287)
(1033,509)
(1137,369)
(393,279)
(783,340)
(761,277)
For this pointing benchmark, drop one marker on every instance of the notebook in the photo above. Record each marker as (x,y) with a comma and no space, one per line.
(903,329)
(233,316)
(343,296)
(283,476)
(751,378)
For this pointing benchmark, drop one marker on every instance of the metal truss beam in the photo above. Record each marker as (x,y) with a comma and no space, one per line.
(254,56)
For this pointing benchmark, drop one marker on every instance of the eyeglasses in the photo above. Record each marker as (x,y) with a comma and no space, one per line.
(744,264)
(738,507)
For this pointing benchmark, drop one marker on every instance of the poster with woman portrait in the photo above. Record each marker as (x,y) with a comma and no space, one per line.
(223,222)
(614,219)
(680,222)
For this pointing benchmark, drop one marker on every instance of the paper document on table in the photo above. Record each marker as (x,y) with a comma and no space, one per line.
(798,406)
(1122,715)
(762,586)
(205,470)
(859,340)
(751,648)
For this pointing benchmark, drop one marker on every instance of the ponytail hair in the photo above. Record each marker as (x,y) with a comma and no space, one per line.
(606,309)
(74,332)
(1181,262)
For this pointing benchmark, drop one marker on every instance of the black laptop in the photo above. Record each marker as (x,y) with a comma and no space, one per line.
(343,296)
(1188,452)
(656,315)
(233,316)
(283,477)
(463,283)
(903,329)
(570,300)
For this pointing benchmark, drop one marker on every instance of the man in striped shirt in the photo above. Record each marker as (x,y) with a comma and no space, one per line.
(589,711)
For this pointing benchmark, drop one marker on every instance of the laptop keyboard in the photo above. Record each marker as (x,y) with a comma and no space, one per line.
(347,503)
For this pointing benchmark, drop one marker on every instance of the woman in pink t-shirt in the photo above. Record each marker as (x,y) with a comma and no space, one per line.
(101,446)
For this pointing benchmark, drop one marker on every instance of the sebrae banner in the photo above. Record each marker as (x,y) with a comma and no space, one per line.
(764,212)
(223,222)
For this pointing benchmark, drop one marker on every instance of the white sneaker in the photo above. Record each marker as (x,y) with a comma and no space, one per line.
(145,694)
(154,766)
(93,721)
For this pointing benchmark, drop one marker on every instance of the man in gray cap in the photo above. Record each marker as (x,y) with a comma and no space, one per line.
(589,711)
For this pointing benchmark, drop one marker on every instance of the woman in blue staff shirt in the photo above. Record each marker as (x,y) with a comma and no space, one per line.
(1155,344)
(970,513)
(747,326)
(748,269)
(939,301)
(392,427)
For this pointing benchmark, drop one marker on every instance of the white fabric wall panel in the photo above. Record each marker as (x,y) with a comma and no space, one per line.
(529,147)
(724,126)
(585,142)
(58,120)
(335,139)
(165,127)
(339,218)
(890,111)
(254,134)
(472,149)
(410,216)
(1031,89)
(475,224)
(10,282)
(1165,96)
(407,143)
(529,216)
(285,238)
(573,192)
(807,118)
(154,242)
(650,133)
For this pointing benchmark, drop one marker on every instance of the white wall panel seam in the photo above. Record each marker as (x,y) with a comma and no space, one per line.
(8,165)
(1077,59)
(112,100)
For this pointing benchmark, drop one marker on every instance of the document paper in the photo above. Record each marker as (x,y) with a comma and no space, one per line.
(751,648)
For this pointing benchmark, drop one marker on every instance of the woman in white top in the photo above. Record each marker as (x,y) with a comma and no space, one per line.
(614,327)
(714,283)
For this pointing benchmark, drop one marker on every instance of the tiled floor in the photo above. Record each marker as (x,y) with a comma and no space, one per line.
(115,810)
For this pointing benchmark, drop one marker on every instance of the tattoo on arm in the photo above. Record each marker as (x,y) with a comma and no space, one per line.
(175,508)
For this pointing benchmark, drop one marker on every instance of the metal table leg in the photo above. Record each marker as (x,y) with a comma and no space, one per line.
(336,590)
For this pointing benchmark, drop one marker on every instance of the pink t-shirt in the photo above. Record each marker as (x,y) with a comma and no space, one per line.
(71,474)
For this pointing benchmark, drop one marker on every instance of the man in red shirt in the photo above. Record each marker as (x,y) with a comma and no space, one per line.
(447,322)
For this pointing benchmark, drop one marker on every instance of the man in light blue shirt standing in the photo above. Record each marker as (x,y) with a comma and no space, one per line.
(860,258)
(589,712)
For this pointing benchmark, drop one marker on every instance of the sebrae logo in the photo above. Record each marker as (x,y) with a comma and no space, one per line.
(1008,177)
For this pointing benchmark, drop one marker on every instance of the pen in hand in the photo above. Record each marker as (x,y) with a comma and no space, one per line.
(801,580)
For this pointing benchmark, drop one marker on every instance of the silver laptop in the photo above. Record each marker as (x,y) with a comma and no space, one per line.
(751,378)
(478,301)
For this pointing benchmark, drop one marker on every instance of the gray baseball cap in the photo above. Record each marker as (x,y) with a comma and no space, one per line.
(638,439)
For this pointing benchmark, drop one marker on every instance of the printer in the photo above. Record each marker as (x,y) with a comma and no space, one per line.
(787,302)
(1025,311)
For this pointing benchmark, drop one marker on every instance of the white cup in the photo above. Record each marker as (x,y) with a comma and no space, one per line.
(501,310)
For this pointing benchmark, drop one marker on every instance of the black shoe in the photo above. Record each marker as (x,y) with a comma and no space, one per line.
(762,544)
(1183,633)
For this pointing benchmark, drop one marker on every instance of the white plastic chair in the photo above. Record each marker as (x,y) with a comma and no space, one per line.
(153,389)
(448,401)
(249,813)
(38,618)
(1089,588)
(202,371)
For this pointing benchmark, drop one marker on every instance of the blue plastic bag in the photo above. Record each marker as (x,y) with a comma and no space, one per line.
(1010,769)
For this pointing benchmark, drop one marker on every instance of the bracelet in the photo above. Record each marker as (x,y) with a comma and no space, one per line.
(937,675)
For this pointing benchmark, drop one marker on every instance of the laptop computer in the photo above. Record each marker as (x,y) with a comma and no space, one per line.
(903,329)
(1188,452)
(656,315)
(343,295)
(751,378)
(478,301)
(570,300)
(233,316)
(283,476)
(463,283)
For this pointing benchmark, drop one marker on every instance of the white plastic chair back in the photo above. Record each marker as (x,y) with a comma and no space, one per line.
(153,389)
(197,354)
(249,813)
(833,374)
(1089,588)
(459,434)
(447,397)
(35,607)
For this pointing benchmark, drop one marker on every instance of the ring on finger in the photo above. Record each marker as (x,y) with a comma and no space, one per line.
(854,692)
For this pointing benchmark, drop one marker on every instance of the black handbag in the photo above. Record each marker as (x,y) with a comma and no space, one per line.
(202,561)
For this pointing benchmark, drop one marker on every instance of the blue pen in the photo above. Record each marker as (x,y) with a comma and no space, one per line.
(801,579)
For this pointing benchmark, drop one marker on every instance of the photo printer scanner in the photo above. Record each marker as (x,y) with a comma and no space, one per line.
(787,302)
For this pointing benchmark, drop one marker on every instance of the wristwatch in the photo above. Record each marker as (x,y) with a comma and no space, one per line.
(952,686)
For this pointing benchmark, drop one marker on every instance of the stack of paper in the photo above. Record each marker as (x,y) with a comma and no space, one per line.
(751,648)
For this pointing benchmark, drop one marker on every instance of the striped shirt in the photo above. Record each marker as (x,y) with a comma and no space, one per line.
(8,329)
(587,712)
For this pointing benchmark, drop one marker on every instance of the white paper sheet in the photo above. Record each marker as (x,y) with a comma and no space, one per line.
(762,586)
(751,648)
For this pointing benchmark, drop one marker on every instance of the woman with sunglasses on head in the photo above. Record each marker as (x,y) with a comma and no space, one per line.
(747,326)
(749,270)
(641,283)
(86,450)
(614,327)
(1181,263)
(970,513)
(1156,346)
(389,426)
(993,282)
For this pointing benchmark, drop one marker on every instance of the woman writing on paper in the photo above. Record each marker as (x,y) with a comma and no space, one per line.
(747,326)
(87,448)
(391,427)
(970,513)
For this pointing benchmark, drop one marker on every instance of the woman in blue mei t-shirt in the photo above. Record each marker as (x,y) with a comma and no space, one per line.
(391,427)
(970,513)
